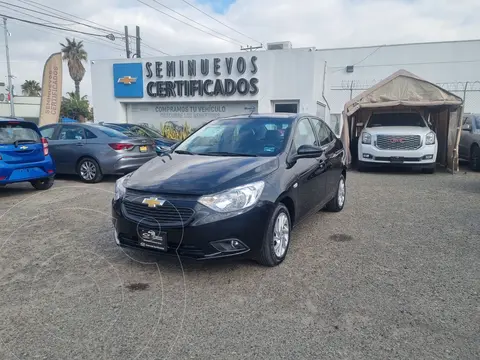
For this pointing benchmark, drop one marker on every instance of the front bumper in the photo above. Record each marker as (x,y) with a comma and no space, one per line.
(14,173)
(371,155)
(202,237)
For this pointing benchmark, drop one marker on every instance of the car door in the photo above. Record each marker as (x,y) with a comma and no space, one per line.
(333,150)
(67,147)
(310,173)
(465,139)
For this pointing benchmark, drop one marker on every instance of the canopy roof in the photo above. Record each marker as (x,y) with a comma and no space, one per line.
(402,88)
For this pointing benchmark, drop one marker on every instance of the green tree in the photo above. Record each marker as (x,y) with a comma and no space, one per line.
(74,54)
(31,88)
(75,107)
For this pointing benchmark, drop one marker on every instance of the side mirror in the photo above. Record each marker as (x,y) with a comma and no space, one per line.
(467,127)
(308,151)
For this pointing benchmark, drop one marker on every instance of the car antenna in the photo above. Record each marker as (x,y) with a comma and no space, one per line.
(250,108)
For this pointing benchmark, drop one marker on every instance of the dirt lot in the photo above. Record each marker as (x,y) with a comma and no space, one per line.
(395,276)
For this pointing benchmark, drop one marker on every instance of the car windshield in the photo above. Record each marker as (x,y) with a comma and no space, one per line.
(110,132)
(142,131)
(15,132)
(239,137)
(396,119)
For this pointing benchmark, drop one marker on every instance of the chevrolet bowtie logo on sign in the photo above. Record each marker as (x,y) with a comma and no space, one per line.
(127,80)
(153,202)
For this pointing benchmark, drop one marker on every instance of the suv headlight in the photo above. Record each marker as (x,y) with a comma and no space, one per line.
(366,138)
(430,138)
(235,199)
(120,187)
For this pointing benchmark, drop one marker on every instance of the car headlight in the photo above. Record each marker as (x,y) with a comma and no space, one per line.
(120,187)
(430,138)
(235,199)
(366,138)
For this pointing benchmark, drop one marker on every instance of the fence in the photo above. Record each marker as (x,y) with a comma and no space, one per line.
(469,91)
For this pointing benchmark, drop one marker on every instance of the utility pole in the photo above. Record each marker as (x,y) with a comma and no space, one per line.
(127,43)
(138,42)
(9,71)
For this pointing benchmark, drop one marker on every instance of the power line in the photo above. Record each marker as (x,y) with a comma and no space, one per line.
(220,22)
(52,27)
(99,26)
(164,13)
(196,22)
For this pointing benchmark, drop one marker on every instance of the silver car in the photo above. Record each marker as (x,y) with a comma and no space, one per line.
(92,151)
(469,148)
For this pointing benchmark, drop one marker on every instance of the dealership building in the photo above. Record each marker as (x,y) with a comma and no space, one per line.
(194,89)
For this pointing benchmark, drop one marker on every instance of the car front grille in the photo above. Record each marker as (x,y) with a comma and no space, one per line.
(171,213)
(398,142)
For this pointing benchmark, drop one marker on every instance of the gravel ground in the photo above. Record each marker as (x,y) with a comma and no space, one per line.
(396,275)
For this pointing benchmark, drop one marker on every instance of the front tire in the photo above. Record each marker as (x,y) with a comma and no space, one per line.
(89,171)
(475,158)
(277,238)
(338,202)
(42,184)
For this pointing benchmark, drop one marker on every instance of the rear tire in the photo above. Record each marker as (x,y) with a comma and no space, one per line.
(338,202)
(475,158)
(42,184)
(89,171)
(277,238)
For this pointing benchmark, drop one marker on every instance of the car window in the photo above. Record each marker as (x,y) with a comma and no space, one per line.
(254,136)
(11,132)
(304,134)
(324,134)
(71,133)
(396,119)
(47,132)
(468,121)
(89,134)
(110,132)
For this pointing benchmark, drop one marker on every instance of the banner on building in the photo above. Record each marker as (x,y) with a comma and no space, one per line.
(51,90)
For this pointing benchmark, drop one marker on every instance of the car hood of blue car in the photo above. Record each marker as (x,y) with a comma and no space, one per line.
(199,174)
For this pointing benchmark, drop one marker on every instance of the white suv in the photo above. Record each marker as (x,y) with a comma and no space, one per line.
(403,139)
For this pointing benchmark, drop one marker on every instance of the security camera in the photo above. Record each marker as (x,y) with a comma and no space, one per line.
(92,62)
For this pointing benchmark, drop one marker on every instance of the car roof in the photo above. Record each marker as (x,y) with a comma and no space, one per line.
(12,119)
(273,116)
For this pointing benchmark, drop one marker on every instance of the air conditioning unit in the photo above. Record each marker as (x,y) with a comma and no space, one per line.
(284,45)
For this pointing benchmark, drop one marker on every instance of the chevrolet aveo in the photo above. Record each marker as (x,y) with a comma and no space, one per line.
(235,187)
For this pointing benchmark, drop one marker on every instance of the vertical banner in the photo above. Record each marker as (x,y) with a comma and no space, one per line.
(51,90)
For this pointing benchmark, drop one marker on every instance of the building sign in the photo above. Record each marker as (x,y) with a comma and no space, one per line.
(205,77)
(193,114)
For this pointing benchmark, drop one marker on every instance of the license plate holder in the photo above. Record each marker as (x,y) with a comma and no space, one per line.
(397,159)
(143,148)
(153,239)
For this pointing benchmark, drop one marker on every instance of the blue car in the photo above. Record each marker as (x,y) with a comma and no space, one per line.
(24,155)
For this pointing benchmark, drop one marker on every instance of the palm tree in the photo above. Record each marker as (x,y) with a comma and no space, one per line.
(31,88)
(74,54)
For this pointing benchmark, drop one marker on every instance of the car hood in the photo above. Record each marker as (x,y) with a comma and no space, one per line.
(199,175)
(398,130)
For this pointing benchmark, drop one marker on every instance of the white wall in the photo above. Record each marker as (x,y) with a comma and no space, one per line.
(283,75)
(449,64)
(25,107)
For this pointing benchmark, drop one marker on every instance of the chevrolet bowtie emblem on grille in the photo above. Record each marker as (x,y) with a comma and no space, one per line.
(153,202)
(23,147)
(127,80)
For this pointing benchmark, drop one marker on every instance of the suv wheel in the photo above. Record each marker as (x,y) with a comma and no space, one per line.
(338,202)
(89,171)
(42,184)
(475,158)
(277,238)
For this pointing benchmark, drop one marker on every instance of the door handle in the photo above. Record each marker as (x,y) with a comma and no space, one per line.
(79,144)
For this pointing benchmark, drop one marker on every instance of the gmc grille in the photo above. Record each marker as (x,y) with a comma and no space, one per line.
(398,142)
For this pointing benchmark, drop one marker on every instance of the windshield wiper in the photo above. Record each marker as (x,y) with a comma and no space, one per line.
(185,152)
(226,153)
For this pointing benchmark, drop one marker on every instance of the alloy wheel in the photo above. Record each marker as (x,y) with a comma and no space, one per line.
(341,193)
(281,235)
(88,170)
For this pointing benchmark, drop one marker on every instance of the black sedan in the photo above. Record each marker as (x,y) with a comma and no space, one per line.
(235,187)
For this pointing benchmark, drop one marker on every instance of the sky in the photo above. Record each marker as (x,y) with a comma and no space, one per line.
(306,23)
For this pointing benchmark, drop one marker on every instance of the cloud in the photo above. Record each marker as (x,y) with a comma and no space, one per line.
(323,24)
